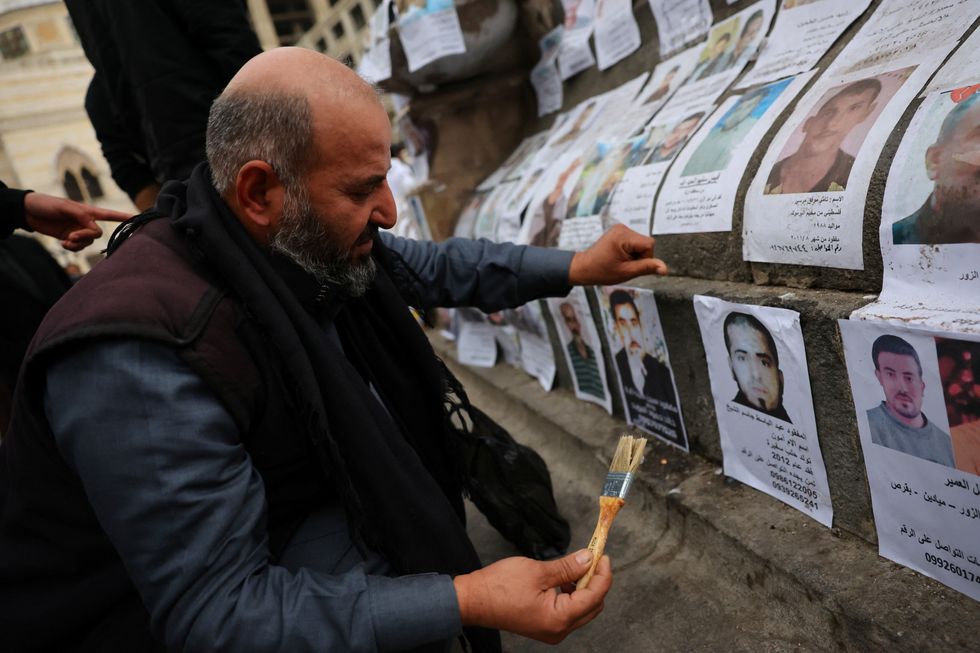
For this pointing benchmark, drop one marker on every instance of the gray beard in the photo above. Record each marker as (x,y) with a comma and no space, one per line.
(304,239)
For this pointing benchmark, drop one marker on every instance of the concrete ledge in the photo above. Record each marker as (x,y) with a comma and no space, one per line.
(704,563)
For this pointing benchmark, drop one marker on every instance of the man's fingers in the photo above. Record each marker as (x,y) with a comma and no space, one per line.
(646,266)
(589,616)
(109,215)
(569,569)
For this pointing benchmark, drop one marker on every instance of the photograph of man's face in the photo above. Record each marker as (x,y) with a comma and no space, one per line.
(818,157)
(628,327)
(951,212)
(754,362)
(900,376)
(570,316)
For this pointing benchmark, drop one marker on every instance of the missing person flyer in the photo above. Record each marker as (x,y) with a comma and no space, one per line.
(761,387)
(917,402)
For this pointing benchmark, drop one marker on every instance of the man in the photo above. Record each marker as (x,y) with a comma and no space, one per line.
(231,434)
(715,152)
(585,368)
(643,376)
(898,422)
(675,140)
(716,60)
(754,361)
(819,164)
(73,223)
(664,87)
(158,66)
(951,213)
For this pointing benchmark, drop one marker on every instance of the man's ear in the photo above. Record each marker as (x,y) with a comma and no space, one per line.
(259,196)
(932,161)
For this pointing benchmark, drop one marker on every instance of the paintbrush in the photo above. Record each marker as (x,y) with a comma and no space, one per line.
(629,454)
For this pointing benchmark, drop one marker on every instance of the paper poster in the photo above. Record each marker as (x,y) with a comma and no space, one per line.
(918,413)
(667,77)
(603,169)
(806,203)
(476,344)
(680,22)
(961,68)
(537,358)
(639,351)
(485,225)
(375,65)
(466,223)
(515,161)
(930,218)
(730,45)
(699,192)
(575,54)
(632,201)
(569,128)
(429,30)
(547,209)
(544,75)
(579,341)
(761,387)
(616,33)
(803,33)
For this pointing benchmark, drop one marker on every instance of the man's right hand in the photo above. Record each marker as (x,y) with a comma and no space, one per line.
(523,596)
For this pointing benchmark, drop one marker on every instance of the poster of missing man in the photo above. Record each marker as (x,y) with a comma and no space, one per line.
(537,356)
(579,343)
(761,387)
(616,34)
(917,403)
(428,30)
(698,194)
(806,204)
(639,351)
(930,217)
(575,54)
(680,22)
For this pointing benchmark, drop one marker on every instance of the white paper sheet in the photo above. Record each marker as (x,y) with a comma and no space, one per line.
(680,22)
(546,210)
(761,388)
(575,54)
(961,68)
(537,355)
(924,472)
(698,194)
(802,35)
(580,346)
(632,203)
(639,351)
(930,230)
(616,33)
(806,203)
(489,213)
(429,33)
(544,75)
(375,65)
(524,151)
(476,345)
(466,224)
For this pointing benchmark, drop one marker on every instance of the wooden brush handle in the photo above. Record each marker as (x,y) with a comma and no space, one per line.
(608,509)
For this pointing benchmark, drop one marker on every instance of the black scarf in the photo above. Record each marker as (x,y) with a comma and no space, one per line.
(396,470)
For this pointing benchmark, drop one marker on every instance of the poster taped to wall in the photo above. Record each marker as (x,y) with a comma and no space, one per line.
(428,31)
(616,33)
(699,192)
(639,352)
(581,347)
(544,76)
(917,403)
(803,33)
(761,387)
(575,55)
(806,204)
(680,22)
(930,229)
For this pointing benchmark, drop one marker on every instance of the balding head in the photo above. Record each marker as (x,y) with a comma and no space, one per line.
(276,109)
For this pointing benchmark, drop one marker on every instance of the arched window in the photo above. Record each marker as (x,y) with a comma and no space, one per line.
(92,184)
(72,188)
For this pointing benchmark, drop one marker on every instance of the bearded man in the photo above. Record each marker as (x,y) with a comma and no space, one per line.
(232,435)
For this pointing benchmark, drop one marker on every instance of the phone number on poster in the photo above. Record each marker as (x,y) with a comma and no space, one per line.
(804,495)
(956,569)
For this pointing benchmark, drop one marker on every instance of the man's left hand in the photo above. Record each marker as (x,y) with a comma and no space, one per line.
(73,223)
(620,255)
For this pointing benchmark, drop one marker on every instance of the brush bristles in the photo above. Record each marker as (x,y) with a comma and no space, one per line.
(629,454)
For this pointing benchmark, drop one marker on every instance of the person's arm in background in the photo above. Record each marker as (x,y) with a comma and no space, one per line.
(73,223)
(492,276)
(221,29)
(123,152)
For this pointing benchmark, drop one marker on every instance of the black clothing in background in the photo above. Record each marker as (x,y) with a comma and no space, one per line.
(11,209)
(159,64)
(31,281)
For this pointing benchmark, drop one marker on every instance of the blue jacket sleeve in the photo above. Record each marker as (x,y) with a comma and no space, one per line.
(163,466)
(490,276)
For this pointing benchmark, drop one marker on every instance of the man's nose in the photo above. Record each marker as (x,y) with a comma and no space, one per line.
(385,214)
